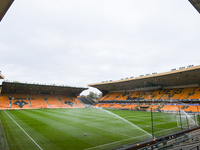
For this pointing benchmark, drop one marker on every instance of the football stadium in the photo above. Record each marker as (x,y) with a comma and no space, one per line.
(152,111)
(157,110)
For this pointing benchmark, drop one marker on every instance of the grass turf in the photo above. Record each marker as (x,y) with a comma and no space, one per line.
(65,128)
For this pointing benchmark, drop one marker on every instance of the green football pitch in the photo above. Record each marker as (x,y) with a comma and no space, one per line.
(81,128)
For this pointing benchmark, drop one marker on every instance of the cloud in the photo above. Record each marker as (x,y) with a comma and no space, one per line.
(78,42)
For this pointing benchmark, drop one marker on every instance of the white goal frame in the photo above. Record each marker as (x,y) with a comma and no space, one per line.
(186,120)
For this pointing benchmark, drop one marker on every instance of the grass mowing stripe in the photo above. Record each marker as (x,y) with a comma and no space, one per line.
(106,130)
(72,132)
(3,141)
(65,128)
(23,130)
(106,121)
(114,143)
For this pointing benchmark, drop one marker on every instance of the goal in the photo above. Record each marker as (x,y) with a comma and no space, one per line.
(186,120)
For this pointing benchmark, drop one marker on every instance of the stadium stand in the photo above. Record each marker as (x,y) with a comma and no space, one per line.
(192,109)
(4,101)
(98,105)
(37,101)
(178,93)
(17,95)
(122,96)
(77,102)
(170,108)
(66,101)
(116,106)
(87,100)
(112,96)
(105,105)
(53,101)
(135,94)
(187,92)
(153,107)
(19,100)
(155,92)
(130,106)
(195,94)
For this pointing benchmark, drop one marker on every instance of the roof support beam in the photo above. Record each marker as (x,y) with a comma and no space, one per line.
(196,4)
(4,6)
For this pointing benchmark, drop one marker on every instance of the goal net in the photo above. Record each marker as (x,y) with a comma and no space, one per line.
(186,121)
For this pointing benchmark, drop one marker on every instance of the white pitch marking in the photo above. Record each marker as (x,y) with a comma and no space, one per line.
(108,130)
(23,130)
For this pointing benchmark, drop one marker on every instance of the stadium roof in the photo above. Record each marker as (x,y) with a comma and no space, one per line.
(37,88)
(1,76)
(196,4)
(4,6)
(181,77)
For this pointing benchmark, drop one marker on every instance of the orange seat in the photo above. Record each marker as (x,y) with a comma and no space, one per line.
(4,101)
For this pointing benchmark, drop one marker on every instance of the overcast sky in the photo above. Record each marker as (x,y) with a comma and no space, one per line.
(79,42)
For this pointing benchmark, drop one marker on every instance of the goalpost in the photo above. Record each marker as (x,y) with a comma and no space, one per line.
(187,120)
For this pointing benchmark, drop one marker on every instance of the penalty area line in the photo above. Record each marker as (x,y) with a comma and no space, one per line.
(23,130)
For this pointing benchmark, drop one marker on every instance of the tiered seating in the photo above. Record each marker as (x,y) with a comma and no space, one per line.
(178,93)
(105,105)
(167,94)
(112,96)
(130,106)
(187,92)
(37,101)
(53,101)
(196,94)
(105,97)
(122,96)
(4,102)
(192,108)
(19,96)
(157,94)
(27,106)
(135,94)
(78,103)
(171,107)
(67,102)
(143,107)
(151,95)
(98,105)
(117,106)
(86,100)
(153,107)
(19,100)
(145,94)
